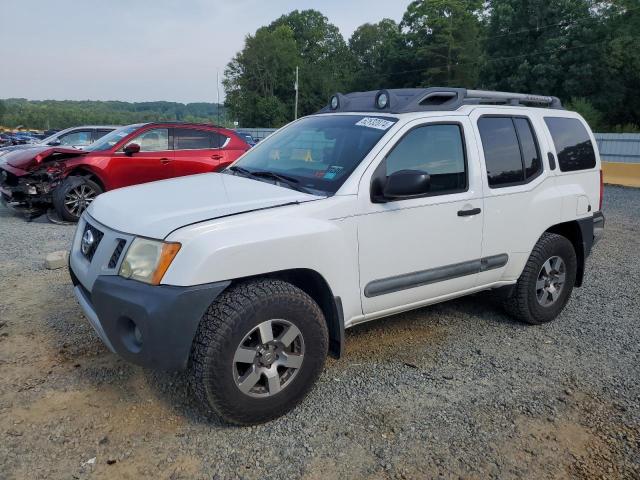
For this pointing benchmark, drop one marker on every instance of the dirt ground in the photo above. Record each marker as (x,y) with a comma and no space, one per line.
(457,390)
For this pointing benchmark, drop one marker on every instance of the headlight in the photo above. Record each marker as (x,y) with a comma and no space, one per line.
(148,260)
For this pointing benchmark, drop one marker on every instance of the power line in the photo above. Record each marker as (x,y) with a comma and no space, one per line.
(492,60)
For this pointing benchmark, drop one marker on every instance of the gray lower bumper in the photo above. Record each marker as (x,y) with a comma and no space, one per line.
(148,325)
(92,316)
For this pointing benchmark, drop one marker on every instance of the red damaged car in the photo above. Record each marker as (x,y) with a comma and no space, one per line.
(32,180)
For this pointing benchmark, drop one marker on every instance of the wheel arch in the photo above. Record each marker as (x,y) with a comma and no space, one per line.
(86,172)
(314,285)
(573,231)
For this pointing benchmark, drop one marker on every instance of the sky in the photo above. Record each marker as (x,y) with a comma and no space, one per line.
(144,50)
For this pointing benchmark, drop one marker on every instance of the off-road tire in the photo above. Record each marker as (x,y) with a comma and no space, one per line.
(222,328)
(523,303)
(60,193)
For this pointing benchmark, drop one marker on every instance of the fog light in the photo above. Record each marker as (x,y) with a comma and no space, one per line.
(31,190)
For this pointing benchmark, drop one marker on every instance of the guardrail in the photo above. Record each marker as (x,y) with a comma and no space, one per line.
(620,154)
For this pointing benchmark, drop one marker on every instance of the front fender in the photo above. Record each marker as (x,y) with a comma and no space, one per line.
(258,243)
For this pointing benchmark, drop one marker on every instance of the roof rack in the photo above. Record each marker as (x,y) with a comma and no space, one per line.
(430,99)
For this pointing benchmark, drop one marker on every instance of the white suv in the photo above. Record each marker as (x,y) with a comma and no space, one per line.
(381,203)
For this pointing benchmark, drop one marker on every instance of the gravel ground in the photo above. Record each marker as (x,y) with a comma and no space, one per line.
(457,390)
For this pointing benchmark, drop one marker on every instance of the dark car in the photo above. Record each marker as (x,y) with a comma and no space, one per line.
(70,179)
(5,140)
(247,138)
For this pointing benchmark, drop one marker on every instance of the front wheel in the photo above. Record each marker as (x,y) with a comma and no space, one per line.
(73,196)
(546,283)
(259,349)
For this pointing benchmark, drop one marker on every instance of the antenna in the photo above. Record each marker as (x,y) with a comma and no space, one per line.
(296,88)
(218,89)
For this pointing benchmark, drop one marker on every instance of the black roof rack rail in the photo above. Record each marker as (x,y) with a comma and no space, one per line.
(407,100)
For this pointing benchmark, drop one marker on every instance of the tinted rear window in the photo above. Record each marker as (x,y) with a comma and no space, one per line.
(191,139)
(573,145)
(501,151)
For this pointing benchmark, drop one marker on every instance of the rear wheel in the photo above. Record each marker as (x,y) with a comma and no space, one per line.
(258,351)
(73,196)
(546,283)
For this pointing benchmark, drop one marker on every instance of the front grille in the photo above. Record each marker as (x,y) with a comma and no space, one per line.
(117,252)
(88,250)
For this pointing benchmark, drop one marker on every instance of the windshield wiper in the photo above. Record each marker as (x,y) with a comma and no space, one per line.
(278,177)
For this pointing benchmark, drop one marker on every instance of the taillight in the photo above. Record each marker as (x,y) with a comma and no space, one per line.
(601,190)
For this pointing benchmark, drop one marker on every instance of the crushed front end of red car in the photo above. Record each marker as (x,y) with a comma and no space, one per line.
(28,177)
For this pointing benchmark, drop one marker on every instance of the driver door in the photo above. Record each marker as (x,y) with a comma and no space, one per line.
(153,162)
(415,250)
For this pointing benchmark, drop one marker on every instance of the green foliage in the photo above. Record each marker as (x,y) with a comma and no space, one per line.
(443,42)
(259,81)
(67,113)
(585,108)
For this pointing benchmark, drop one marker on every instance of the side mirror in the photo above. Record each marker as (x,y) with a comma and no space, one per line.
(55,143)
(131,149)
(406,184)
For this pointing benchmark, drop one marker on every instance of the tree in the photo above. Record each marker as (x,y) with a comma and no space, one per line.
(377,50)
(618,94)
(325,60)
(258,81)
(543,46)
(442,40)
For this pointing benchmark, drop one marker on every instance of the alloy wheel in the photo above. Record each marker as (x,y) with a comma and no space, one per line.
(268,358)
(551,280)
(78,199)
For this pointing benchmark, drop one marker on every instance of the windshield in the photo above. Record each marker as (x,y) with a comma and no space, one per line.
(108,141)
(318,152)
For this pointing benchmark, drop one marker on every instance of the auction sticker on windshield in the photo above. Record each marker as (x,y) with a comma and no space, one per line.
(373,122)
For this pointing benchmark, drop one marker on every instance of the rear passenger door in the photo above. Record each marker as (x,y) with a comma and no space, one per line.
(518,189)
(198,151)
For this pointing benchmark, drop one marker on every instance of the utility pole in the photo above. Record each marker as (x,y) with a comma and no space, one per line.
(218,89)
(296,87)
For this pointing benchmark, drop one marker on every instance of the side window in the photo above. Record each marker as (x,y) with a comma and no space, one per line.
(573,145)
(80,138)
(529,146)
(511,151)
(191,139)
(154,140)
(435,149)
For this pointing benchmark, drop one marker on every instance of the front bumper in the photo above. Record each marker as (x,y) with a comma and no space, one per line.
(148,325)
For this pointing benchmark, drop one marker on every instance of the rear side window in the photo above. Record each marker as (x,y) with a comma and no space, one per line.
(510,149)
(190,139)
(573,145)
(435,149)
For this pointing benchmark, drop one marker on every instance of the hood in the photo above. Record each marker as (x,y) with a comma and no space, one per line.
(156,209)
(11,148)
(29,158)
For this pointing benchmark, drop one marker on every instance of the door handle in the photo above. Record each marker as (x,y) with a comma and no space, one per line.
(469,213)
(216,156)
(165,160)
(552,161)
